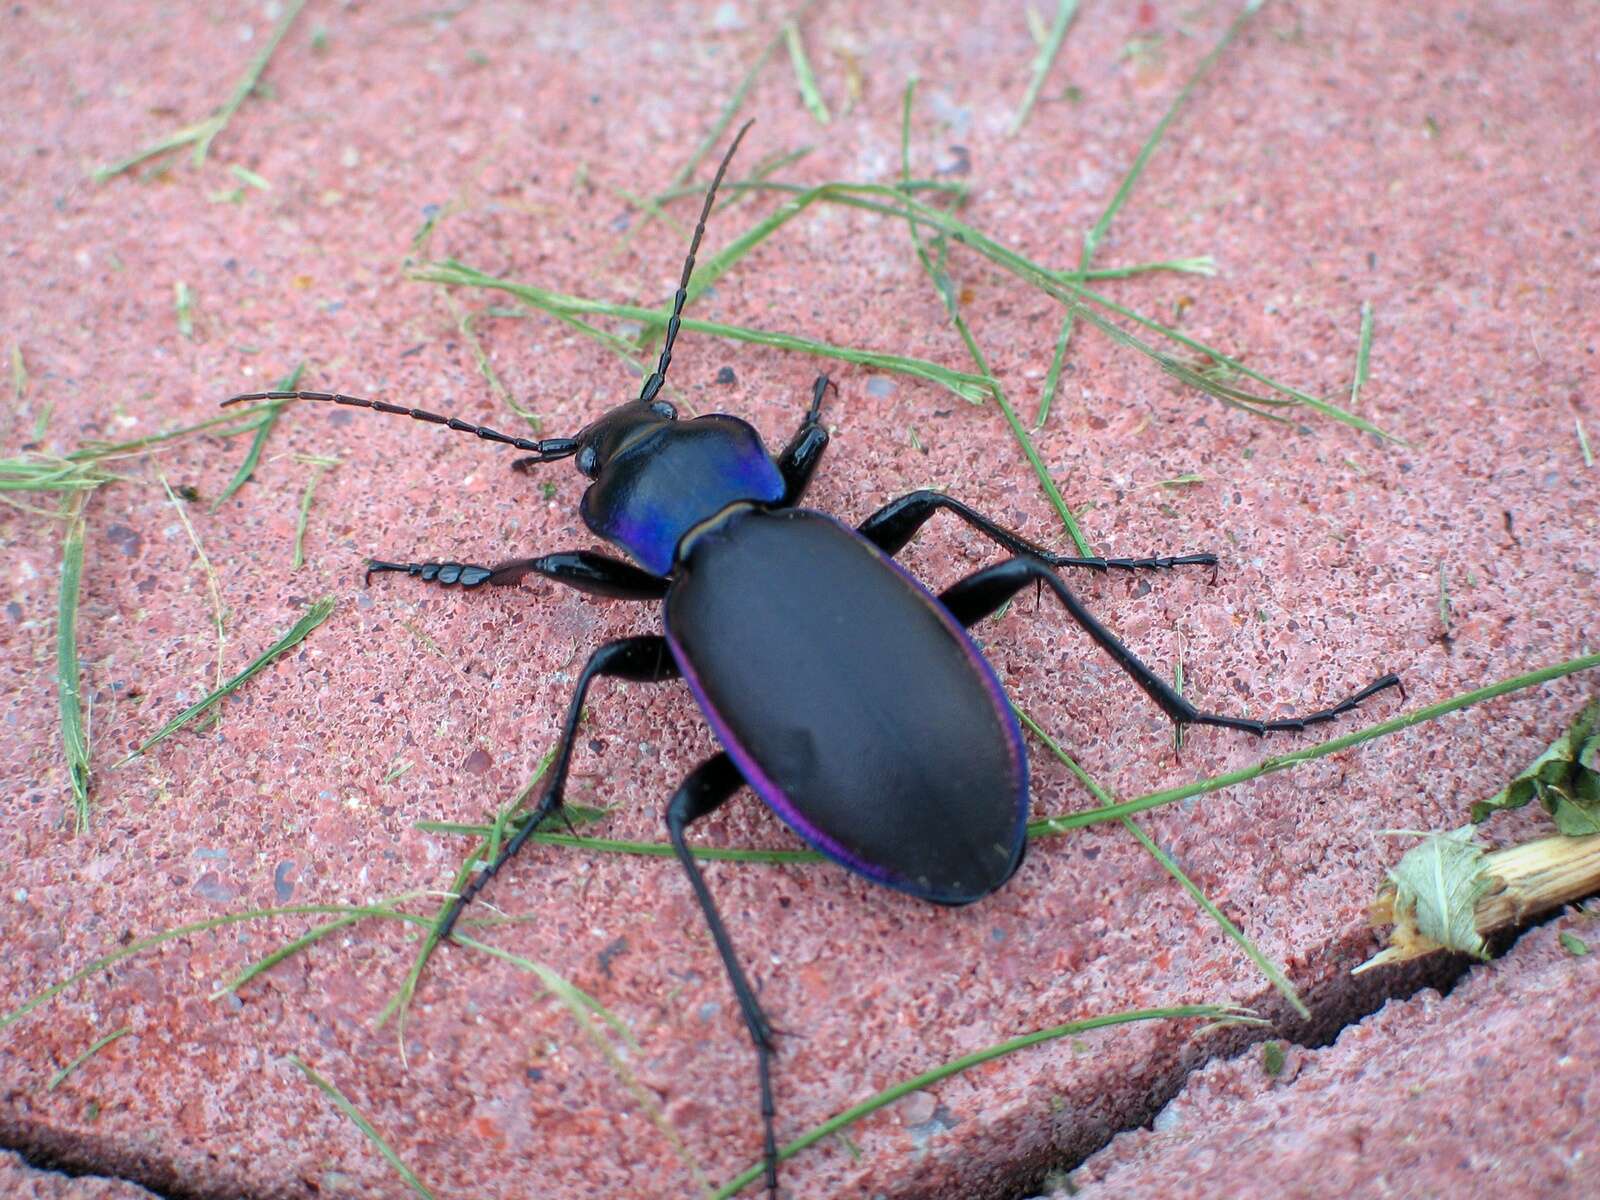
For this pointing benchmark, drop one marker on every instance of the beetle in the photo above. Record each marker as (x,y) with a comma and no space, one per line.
(847,696)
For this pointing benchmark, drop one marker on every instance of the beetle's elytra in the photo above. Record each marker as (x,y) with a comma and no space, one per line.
(843,692)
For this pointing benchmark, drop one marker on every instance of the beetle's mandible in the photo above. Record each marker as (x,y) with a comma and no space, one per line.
(890,746)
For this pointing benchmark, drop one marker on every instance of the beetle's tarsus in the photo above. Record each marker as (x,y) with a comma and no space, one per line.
(467,575)
(897,522)
(821,385)
(377,564)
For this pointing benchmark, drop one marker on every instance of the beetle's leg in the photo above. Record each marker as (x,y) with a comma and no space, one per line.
(979,594)
(804,451)
(582,569)
(640,659)
(897,522)
(706,789)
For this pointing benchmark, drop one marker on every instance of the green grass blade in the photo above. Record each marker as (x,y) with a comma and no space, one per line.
(1091,242)
(213,585)
(314,616)
(1064,289)
(1058,285)
(480,356)
(1202,264)
(581,1006)
(486,851)
(346,918)
(947,293)
(615,846)
(202,133)
(763,171)
(183,303)
(247,85)
(249,178)
(968,387)
(1363,352)
(651,207)
(31,472)
(1195,377)
(1215,1012)
(620,346)
(578,1001)
(162,145)
(264,424)
(243,422)
(19,376)
(1092,239)
(1273,973)
(69,693)
(319,468)
(804,79)
(1058,361)
(1048,826)
(342,1103)
(730,110)
(725,118)
(1065,11)
(122,953)
(99,1044)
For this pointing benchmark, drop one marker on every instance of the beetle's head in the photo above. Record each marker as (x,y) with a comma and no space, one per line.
(603,439)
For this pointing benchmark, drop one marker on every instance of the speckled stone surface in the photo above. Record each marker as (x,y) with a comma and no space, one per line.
(1438,164)
(1489,1091)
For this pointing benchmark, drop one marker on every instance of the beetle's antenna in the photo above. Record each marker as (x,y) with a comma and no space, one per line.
(545,450)
(653,384)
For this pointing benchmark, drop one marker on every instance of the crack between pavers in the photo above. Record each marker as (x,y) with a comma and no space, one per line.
(1338,1003)
(64,1172)
(118,1160)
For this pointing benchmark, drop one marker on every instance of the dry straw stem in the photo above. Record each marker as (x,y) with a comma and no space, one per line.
(1524,881)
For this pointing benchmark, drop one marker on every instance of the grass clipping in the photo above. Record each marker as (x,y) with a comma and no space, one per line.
(1448,893)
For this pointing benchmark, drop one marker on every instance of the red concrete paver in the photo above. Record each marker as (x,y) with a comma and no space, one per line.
(1487,1092)
(1438,164)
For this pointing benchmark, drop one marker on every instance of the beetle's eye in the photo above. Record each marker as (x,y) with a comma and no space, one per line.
(588,461)
(662,409)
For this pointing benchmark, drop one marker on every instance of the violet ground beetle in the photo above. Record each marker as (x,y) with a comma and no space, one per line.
(844,693)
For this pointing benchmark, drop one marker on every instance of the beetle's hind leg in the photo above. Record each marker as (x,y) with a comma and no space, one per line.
(980,594)
(705,790)
(640,659)
(580,569)
(897,522)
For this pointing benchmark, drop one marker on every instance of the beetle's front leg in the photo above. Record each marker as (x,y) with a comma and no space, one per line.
(800,457)
(897,522)
(584,570)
